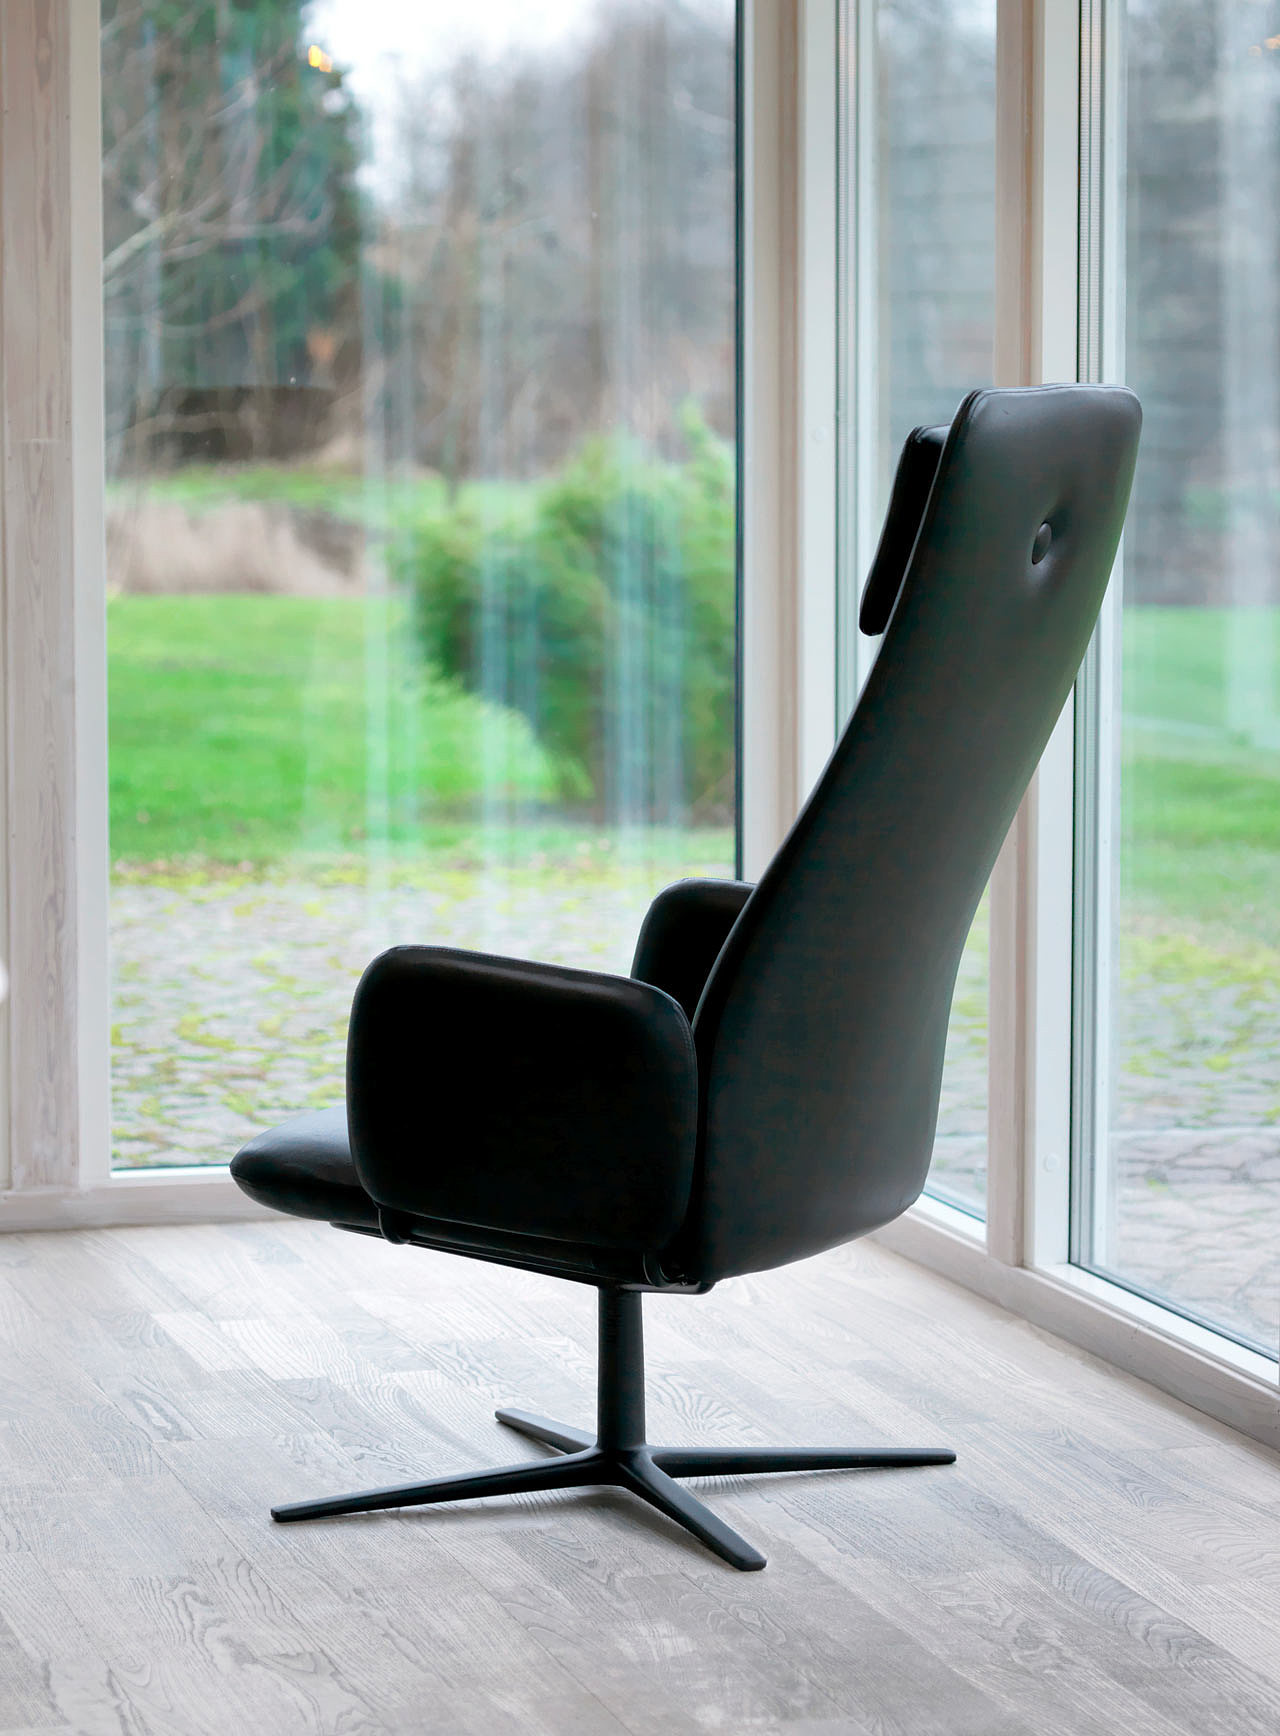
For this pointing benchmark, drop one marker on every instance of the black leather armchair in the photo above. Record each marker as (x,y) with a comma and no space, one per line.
(765,1084)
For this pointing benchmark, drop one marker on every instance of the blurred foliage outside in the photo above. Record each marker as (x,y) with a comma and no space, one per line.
(272,289)
(601,600)
(547,619)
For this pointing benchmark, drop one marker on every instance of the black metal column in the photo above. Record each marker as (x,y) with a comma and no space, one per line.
(620,1377)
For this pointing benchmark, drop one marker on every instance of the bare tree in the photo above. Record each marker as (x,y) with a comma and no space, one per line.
(230,217)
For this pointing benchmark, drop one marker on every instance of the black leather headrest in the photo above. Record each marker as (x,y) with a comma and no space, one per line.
(921,454)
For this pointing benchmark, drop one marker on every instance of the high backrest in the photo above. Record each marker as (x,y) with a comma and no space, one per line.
(821,1030)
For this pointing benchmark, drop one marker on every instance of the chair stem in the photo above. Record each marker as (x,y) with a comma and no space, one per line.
(620,1379)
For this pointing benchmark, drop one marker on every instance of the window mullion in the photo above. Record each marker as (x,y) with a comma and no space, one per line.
(90,650)
(39,595)
(789,391)
(1037,179)
(769,44)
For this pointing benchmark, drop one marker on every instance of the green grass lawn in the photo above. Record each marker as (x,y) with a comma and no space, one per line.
(1200,787)
(254,727)
(250,729)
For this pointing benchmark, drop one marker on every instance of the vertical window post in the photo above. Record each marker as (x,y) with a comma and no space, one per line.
(1037,179)
(789,411)
(40,600)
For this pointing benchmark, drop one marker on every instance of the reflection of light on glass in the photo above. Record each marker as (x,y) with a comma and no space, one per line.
(319,59)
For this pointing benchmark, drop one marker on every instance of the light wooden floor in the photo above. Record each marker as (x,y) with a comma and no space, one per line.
(1100,1560)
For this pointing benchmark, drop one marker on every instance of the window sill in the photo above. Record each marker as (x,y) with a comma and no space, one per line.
(1237,1386)
(957,1221)
(204,1194)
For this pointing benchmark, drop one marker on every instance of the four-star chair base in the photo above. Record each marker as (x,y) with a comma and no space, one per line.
(618,1455)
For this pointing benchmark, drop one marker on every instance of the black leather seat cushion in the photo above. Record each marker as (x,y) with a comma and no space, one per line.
(304,1167)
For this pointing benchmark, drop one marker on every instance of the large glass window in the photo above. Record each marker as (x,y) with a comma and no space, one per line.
(421,456)
(1180,1176)
(919,214)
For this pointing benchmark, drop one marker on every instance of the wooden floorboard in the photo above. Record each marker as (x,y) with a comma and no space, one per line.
(1100,1559)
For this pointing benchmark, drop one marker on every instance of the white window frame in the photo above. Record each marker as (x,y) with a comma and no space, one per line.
(1020,1255)
(55,1107)
(55,1122)
(1021,1258)
(788,421)
(54,1113)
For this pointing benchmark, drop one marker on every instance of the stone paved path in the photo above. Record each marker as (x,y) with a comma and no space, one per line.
(1194,1201)
(232,998)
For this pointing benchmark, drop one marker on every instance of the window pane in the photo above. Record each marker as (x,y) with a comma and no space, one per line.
(1187,1201)
(930,182)
(421,459)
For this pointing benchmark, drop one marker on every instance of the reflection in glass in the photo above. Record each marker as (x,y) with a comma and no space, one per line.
(1187,1201)
(421,457)
(935,260)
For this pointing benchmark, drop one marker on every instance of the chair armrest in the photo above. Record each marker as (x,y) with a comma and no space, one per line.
(684,933)
(522,1097)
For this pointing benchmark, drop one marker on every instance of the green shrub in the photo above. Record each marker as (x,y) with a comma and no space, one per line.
(601,606)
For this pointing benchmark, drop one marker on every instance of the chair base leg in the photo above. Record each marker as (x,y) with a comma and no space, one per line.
(549,1434)
(752,1461)
(525,1479)
(619,1457)
(649,1472)
(636,1471)
(647,1479)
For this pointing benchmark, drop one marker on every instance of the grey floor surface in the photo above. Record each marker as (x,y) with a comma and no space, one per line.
(1100,1560)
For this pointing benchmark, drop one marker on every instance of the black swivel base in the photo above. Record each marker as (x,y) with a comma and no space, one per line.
(619,1457)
